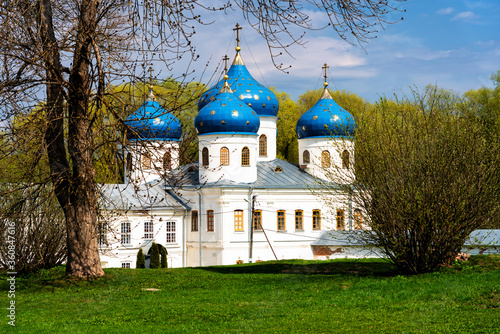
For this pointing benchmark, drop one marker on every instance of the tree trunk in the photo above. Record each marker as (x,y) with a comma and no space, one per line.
(74,180)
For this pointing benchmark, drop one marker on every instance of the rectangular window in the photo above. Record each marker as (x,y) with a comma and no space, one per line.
(148,230)
(194,221)
(299,220)
(358,219)
(170,228)
(281,220)
(125,233)
(126,265)
(316,219)
(238,220)
(102,234)
(340,219)
(210,220)
(257,220)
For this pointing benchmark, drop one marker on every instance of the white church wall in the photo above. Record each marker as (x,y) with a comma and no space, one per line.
(234,171)
(268,127)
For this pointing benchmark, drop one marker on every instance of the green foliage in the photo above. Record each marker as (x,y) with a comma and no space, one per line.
(155,256)
(426,177)
(288,115)
(366,296)
(141,260)
(163,254)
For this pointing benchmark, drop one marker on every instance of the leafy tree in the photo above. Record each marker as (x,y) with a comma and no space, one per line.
(141,259)
(155,256)
(163,254)
(425,179)
(66,52)
(288,115)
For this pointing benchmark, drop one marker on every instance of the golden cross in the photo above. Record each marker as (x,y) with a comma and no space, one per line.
(226,58)
(325,67)
(238,28)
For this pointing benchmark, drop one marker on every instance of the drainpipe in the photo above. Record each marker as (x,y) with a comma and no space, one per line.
(184,227)
(200,215)
(251,201)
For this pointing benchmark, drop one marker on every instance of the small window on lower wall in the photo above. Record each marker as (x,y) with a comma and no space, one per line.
(340,219)
(358,219)
(194,221)
(281,220)
(238,220)
(299,220)
(257,220)
(210,220)
(126,265)
(316,219)
(239,262)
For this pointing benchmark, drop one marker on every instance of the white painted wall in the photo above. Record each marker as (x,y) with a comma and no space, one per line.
(234,171)
(269,128)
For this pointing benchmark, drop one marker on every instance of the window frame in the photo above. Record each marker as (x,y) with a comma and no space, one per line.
(299,220)
(345,156)
(326,159)
(148,230)
(316,219)
(194,221)
(238,220)
(224,156)
(245,157)
(125,233)
(167,161)
(281,220)
(358,219)
(340,219)
(262,145)
(306,154)
(257,220)
(170,232)
(205,157)
(210,221)
(146,161)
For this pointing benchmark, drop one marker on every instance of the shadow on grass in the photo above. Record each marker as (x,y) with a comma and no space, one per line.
(365,267)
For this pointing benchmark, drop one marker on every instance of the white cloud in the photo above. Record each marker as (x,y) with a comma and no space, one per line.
(445,11)
(465,16)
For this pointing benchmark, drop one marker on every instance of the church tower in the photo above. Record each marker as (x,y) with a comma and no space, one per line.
(326,139)
(261,99)
(152,148)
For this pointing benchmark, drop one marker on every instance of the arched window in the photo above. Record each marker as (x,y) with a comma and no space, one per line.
(245,156)
(146,161)
(204,157)
(325,159)
(306,157)
(263,146)
(224,156)
(167,161)
(345,159)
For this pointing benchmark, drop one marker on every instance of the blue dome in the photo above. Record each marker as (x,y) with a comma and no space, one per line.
(152,122)
(260,98)
(227,114)
(326,119)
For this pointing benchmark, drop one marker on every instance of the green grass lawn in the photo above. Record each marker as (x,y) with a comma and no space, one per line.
(339,296)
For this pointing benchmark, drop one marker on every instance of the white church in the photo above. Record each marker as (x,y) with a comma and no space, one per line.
(238,203)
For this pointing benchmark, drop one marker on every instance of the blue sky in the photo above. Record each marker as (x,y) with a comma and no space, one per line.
(452,43)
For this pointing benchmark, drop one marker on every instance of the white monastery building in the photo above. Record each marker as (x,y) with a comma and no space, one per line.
(238,203)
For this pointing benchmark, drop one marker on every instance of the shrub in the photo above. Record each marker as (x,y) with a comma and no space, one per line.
(163,254)
(141,259)
(155,256)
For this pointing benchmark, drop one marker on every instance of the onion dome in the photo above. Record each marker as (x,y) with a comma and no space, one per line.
(152,122)
(246,88)
(226,114)
(326,119)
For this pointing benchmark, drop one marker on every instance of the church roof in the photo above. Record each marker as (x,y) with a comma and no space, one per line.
(275,174)
(246,88)
(227,114)
(139,197)
(152,122)
(326,119)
